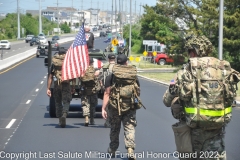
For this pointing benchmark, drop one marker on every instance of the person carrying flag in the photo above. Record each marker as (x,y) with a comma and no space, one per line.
(89,37)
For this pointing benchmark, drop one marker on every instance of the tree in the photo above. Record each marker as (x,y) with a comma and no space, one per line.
(9,29)
(158,24)
(64,27)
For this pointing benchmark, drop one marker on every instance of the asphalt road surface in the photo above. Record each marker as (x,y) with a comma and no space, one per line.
(28,132)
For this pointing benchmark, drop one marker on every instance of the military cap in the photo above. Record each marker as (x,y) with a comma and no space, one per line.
(121,59)
(111,56)
(62,50)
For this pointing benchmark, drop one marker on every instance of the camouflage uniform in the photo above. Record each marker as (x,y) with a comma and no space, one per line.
(89,99)
(129,123)
(122,98)
(205,142)
(89,103)
(62,96)
(104,70)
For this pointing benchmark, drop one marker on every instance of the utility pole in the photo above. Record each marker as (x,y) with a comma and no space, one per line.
(130,32)
(97,11)
(40,16)
(120,16)
(58,18)
(220,41)
(18,19)
(140,10)
(71,13)
(126,10)
(135,12)
(82,14)
(82,5)
(116,17)
(112,20)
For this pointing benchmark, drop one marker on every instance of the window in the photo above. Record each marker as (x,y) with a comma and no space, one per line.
(150,48)
(158,48)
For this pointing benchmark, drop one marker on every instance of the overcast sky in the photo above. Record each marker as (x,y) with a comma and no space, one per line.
(10,6)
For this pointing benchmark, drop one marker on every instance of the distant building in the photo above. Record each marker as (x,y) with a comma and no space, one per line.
(73,16)
(33,12)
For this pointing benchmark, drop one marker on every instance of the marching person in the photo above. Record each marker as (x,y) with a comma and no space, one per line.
(104,72)
(121,108)
(201,97)
(62,91)
(90,85)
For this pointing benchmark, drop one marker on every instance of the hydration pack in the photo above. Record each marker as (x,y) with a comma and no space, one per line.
(125,91)
(90,82)
(57,61)
(207,88)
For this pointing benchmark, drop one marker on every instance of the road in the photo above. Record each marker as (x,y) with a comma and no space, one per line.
(26,129)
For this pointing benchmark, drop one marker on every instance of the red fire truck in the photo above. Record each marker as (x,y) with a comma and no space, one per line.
(161,57)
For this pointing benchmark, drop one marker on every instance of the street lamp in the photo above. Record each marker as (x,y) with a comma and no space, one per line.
(81,18)
(40,17)
(130,35)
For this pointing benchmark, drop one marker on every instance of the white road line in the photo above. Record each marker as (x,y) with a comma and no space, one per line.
(37,90)
(42,82)
(45,76)
(28,101)
(10,123)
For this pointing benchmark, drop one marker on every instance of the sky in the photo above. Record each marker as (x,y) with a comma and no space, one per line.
(10,6)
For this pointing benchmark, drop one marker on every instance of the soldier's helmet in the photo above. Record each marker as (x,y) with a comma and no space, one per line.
(200,44)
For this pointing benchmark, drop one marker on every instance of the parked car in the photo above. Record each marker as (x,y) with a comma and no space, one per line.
(99,27)
(55,38)
(107,40)
(102,34)
(34,41)
(42,50)
(28,38)
(43,40)
(94,28)
(41,35)
(5,44)
(108,31)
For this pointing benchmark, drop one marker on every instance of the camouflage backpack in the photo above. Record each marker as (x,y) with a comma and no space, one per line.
(57,61)
(89,82)
(107,69)
(125,92)
(207,88)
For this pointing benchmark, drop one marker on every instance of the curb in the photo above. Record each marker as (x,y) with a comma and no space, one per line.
(237,103)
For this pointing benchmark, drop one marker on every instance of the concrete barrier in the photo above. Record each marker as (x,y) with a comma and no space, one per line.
(20,56)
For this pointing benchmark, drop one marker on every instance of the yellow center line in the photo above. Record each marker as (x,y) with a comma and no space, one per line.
(17,64)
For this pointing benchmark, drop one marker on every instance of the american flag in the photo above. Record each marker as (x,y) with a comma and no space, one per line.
(97,63)
(77,59)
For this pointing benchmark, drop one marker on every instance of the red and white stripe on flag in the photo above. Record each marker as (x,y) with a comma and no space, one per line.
(76,60)
(97,63)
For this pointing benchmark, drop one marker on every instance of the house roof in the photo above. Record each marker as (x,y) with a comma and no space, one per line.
(61,8)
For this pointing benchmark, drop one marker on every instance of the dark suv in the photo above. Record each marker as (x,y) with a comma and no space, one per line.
(102,34)
(42,50)
(34,41)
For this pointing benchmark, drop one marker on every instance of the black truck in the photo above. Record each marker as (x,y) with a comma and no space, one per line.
(95,53)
